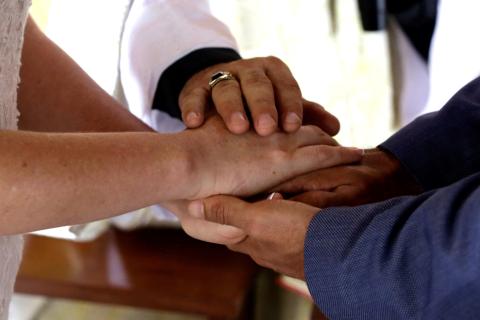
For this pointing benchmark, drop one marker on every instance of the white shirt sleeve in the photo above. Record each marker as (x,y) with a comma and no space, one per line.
(156,34)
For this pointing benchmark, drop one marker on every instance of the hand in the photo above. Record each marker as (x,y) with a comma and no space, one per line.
(268,88)
(202,229)
(377,177)
(244,165)
(275,229)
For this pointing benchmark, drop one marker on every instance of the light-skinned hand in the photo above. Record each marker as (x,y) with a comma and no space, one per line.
(243,165)
(264,88)
(377,177)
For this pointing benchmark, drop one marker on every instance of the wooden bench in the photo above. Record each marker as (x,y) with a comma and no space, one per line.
(151,268)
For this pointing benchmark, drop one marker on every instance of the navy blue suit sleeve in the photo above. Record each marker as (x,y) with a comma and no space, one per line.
(442,147)
(405,258)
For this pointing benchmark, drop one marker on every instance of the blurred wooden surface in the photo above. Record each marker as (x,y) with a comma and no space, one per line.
(152,268)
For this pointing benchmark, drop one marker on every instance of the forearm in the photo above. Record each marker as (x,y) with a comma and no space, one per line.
(50,180)
(174,78)
(56,95)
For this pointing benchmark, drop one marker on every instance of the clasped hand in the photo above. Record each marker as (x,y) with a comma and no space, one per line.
(239,162)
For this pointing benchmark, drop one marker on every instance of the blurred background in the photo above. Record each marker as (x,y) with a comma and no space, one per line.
(373,82)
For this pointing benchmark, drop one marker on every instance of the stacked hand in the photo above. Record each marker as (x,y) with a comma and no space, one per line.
(246,164)
(319,173)
(272,96)
(273,232)
(377,177)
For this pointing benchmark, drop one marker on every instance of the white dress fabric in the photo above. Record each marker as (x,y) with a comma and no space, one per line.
(13,14)
(156,34)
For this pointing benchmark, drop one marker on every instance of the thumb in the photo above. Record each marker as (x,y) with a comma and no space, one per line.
(221,209)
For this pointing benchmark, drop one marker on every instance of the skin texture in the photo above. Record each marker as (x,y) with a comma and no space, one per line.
(281,155)
(274,230)
(377,177)
(265,88)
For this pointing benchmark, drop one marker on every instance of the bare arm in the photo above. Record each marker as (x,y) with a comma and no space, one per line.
(49,180)
(56,95)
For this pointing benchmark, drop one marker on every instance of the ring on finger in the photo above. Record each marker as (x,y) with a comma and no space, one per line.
(220,76)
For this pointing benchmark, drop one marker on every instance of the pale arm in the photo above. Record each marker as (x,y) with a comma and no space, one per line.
(49,180)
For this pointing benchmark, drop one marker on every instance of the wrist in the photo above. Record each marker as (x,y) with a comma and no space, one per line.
(398,181)
(192,165)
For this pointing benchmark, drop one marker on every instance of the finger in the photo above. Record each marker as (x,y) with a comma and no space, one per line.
(320,199)
(258,92)
(312,135)
(223,210)
(315,114)
(212,232)
(312,158)
(324,179)
(193,106)
(287,94)
(325,199)
(227,97)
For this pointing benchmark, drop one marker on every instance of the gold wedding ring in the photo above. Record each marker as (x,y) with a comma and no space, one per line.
(219,77)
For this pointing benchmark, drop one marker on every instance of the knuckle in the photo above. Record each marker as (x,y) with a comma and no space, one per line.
(275,61)
(191,97)
(217,212)
(293,104)
(250,63)
(313,130)
(280,157)
(255,77)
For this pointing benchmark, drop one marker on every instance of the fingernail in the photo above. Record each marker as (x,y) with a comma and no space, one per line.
(293,118)
(360,151)
(193,117)
(266,121)
(197,209)
(237,119)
